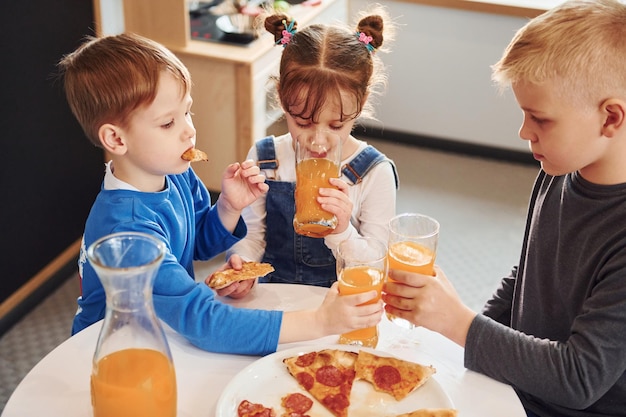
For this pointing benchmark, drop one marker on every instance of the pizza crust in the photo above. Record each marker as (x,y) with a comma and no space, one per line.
(194,155)
(249,270)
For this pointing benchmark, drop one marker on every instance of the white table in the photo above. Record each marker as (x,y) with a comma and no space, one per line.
(59,384)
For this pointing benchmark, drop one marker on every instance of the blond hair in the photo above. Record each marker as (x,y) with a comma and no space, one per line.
(580,46)
(323,61)
(106,78)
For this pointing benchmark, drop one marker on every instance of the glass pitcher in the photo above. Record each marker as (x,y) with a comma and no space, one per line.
(133,373)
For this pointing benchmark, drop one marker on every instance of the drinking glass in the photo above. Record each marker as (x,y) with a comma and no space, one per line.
(318,157)
(361,267)
(412,245)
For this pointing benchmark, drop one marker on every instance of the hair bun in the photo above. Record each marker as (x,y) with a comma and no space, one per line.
(275,25)
(372,26)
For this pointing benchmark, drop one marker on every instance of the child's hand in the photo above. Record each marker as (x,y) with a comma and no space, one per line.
(337,202)
(428,301)
(237,289)
(242,184)
(337,314)
(342,313)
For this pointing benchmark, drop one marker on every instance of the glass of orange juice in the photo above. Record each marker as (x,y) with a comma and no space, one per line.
(361,267)
(318,157)
(412,247)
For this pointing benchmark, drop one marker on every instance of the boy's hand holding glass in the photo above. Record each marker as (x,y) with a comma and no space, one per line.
(412,245)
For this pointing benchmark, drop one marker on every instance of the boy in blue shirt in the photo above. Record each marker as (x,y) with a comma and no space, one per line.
(132,98)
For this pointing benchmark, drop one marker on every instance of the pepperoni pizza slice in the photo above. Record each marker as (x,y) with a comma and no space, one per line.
(327,375)
(391,375)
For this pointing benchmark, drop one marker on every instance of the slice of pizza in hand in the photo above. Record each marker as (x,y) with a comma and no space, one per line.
(327,375)
(249,270)
(194,155)
(432,412)
(391,375)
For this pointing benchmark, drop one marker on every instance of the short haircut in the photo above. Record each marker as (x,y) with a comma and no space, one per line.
(580,46)
(107,78)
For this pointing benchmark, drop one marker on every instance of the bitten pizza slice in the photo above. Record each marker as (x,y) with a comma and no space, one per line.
(391,375)
(327,375)
(249,270)
(194,155)
(431,412)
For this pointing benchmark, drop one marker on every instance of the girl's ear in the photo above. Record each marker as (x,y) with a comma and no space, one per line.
(111,139)
(614,111)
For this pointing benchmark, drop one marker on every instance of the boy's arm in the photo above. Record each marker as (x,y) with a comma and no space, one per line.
(337,314)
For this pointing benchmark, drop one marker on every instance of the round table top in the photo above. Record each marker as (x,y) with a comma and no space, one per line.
(59,384)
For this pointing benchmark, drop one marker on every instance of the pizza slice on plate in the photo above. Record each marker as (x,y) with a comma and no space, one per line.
(327,375)
(391,375)
(431,412)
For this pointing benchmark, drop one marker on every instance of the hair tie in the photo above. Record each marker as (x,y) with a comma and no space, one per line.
(287,33)
(365,39)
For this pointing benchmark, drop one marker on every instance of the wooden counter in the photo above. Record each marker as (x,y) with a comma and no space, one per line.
(230,82)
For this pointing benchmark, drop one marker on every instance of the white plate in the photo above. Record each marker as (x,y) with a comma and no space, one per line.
(267,380)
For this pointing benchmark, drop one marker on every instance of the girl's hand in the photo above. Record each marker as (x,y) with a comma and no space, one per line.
(337,202)
(237,289)
(428,301)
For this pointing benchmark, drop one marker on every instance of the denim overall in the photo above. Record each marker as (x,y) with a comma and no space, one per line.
(300,259)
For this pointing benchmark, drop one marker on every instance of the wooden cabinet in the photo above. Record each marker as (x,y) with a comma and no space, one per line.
(230,82)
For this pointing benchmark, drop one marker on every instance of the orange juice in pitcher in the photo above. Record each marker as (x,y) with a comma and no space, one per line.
(134,382)
(132,372)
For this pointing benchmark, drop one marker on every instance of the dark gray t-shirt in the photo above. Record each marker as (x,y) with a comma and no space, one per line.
(556,327)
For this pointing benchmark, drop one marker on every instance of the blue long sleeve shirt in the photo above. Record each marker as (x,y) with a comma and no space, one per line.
(181,216)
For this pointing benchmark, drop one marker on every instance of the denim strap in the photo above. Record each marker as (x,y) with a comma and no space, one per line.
(368,158)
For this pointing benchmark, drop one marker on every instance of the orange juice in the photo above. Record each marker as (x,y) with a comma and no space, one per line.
(310,219)
(410,257)
(134,383)
(355,280)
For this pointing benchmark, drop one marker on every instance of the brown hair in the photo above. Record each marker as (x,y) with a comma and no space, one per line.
(107,78)
(322,61)
(579,45)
